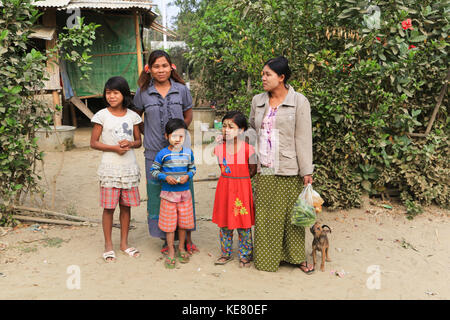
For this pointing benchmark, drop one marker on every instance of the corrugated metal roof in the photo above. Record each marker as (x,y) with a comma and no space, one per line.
(110,4)
(47,3)
(51,3)
(93,4)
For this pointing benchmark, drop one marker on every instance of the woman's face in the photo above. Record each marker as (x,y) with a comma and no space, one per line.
(271,79)
(161,69)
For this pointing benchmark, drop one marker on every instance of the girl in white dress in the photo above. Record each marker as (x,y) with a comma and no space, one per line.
(119,173)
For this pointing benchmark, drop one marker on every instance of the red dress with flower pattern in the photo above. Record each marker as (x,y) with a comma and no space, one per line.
(233,204)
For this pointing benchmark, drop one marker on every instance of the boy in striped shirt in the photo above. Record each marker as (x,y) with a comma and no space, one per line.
(174,166)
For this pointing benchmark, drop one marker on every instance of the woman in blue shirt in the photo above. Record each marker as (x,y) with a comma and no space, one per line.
(162,95)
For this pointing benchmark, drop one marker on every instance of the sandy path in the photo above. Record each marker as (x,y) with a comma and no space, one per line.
(361,238)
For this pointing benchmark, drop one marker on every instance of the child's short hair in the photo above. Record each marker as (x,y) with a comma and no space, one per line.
(238,118)
(120,84)
(174,124)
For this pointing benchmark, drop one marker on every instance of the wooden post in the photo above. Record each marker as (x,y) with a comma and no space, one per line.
(49,20)
(73,115)
(138,42)
(58,114)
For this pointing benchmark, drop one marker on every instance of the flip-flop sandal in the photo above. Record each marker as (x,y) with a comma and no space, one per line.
(109,256)
(305,266)
(165,250)
(191,248)
(224,261)
(183,257)
(244,263)
(131,252)
(170,263)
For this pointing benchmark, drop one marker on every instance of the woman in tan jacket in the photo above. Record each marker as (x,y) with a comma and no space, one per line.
(282,120)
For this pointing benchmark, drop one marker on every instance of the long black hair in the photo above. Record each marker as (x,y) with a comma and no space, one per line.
(120,84)
(145,78)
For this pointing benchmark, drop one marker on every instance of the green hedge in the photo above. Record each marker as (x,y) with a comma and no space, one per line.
(372,77)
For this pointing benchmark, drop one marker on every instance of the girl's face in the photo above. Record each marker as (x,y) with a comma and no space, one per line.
(230,130)
(271,79)
(161,69)
(114,98)
(176,138)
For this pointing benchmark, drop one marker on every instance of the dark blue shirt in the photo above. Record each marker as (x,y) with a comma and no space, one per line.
(158,111)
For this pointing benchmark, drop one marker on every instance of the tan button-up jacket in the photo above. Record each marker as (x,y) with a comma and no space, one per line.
(293,155)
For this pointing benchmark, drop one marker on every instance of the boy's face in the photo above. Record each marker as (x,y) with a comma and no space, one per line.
(176,138)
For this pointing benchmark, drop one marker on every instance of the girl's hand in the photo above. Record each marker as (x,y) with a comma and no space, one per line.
(219,138)
(125,144)
(184,179)
(120,150)
(171,180)
(307,180)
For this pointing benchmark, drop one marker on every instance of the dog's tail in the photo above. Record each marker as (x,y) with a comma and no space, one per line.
(327,227)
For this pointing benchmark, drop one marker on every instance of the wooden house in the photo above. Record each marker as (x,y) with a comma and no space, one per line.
(117,50)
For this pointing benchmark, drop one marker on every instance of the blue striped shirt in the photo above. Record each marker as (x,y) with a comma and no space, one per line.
(175,164)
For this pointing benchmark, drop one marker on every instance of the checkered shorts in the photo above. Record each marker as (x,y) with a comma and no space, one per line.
(173,213)
(110,197)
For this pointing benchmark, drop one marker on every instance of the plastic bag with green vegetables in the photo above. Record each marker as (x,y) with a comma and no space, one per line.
(303,214)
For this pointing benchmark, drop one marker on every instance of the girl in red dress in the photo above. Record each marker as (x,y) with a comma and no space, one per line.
(233,204)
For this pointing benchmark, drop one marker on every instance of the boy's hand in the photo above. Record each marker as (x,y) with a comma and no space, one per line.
(171,180)
(184,179)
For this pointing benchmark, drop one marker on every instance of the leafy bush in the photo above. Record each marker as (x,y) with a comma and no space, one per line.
(74,43)
(22,76)
(371,83)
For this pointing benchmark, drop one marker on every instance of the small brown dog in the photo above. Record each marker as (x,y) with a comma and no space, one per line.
(320,243)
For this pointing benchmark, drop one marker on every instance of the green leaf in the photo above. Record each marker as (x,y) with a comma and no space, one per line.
(407,92)
(4,34)
(16,90)
(419,38)
(367,185)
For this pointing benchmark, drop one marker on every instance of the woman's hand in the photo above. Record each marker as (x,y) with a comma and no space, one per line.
(307,180)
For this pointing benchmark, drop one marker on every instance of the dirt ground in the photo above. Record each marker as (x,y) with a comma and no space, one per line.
(376,252)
